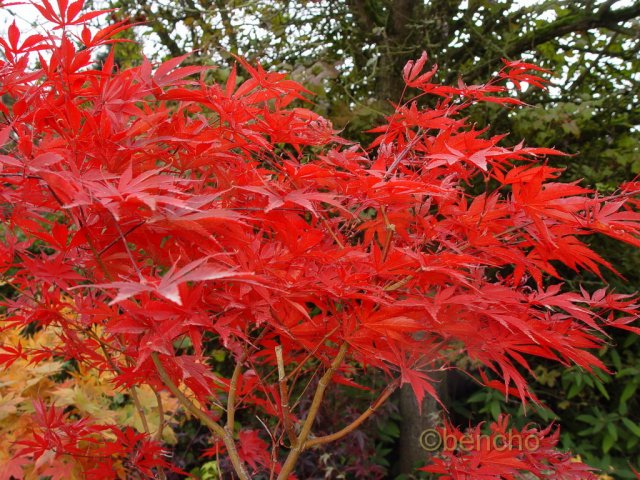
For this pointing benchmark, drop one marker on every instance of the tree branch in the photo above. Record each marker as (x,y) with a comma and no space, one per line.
(284,397)
(384,395)
(214,426)
(229,31)
(572,23)
(604,17)
(299,446)
(231,399)
(161,31)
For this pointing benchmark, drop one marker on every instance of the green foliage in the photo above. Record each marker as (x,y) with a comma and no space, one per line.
(599,415)
(207,471)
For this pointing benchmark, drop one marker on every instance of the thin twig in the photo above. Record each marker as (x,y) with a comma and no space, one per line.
(231,399)
(384,395)
(160,416)
(138,405)
(117,239)
(404,152)
(295,371)
(214,426)
(299,446)
(132,389)
(390,229)
(284,397)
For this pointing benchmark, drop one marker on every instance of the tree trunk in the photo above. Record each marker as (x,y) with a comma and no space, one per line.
(410,452)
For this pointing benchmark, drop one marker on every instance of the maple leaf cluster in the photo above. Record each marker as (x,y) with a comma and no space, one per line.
(26,393)
(153,216)
(505,453)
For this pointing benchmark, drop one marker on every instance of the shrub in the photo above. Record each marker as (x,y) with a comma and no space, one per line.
(153,219)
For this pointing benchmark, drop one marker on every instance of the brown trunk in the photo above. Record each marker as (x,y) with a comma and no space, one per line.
(397,47)
(410,452)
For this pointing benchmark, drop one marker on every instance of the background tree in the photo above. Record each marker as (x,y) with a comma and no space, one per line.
(353,50)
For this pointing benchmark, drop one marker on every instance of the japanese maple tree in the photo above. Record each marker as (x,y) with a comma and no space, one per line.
(152,217)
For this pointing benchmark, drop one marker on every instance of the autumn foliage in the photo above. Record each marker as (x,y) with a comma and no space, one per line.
(152,217)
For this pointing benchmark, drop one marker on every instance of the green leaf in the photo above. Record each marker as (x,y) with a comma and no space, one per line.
(607,443)
(627,393)
(601,389)
(574,390)
(615,358)
(627,372)
(623,408)
(219,355)
(632,426)
(495,409)
(587,419)
(546,414)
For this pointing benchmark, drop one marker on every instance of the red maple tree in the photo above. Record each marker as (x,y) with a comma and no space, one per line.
(153,216)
